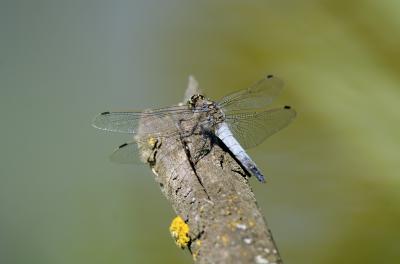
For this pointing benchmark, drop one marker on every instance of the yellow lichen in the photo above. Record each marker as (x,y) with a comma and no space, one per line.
(233,225)
(151,141)
(180,232)
(196,249)
(251,223)
(225,239)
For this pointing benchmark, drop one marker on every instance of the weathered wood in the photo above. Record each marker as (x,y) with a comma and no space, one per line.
(211,192)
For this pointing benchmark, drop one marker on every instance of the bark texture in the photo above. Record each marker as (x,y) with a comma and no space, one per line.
(210,191)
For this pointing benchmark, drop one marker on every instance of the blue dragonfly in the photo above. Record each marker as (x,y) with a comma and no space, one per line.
(240,120)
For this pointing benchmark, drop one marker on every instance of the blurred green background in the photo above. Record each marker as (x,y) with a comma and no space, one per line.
(333,175)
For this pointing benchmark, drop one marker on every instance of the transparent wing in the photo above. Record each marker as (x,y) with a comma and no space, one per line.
(259,95)
(251,128)
(127,122)
(127,153)
(131,153)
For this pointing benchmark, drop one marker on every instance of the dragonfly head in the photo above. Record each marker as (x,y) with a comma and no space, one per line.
(195,100)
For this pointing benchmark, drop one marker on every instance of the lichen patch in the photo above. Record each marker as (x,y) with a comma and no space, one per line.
(180,232)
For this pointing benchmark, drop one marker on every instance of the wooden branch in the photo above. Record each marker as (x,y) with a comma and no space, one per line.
(210,191)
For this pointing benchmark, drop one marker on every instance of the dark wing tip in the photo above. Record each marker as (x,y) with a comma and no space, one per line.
(123,145)
(270,76)
(290,110)
(105,113)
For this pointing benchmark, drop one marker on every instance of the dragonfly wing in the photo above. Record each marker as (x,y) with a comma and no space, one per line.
(134,151)
(148,127)
(123,122)
(128,122)
(140,150)
(127,153)
(259,95)
(251,128)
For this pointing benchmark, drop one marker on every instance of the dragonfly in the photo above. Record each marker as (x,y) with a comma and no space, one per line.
(241,120)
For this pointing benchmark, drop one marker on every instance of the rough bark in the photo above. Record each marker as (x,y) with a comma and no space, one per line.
(210,191)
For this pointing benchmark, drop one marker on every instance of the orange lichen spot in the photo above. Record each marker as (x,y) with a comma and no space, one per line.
(180,232)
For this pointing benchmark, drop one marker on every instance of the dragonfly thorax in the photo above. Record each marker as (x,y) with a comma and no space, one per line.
(209,112)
